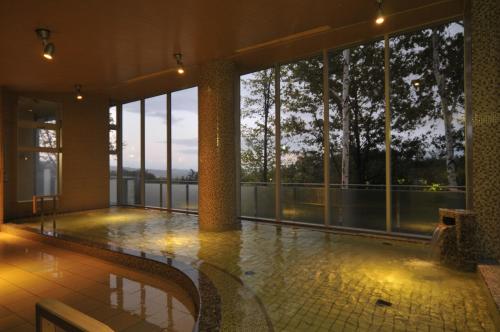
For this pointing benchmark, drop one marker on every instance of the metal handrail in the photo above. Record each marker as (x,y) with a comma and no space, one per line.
(353,186)
(42,199)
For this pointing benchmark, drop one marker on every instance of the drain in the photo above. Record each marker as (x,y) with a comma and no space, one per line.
(383,303)
(249,273)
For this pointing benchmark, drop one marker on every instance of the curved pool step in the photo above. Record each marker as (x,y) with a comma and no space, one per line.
(223,302)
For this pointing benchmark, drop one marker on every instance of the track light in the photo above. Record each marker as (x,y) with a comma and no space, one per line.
(48,51)
(78,89)
(180,66)
(380,16)
(48,48)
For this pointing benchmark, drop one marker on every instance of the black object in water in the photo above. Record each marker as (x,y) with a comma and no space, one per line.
(383,303)
(449,221)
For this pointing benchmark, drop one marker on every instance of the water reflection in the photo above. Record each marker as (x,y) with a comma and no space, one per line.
(299,271)
(153,305)
(109,293)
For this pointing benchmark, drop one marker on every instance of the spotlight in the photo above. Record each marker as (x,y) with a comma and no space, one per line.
(180,66)
(78,89)
(48,48)
(415,83)
(48,51)
(380,16)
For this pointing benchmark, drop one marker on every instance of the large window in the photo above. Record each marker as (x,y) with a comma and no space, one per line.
(302,197)
(357,136)
(156,150)
(113,157)
(131,146)
(427,126)
(258,144)
(185,149)
(415,129)
(38,145)
(165,173)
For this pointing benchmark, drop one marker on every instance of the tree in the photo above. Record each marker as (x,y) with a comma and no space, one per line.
(357,114)
(431,57)
(302,121)
(258,131)
(427,104)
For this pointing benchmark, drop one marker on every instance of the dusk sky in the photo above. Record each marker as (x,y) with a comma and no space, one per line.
(184,131)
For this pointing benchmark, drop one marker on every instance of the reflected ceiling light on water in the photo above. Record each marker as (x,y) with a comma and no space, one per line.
(48,47)
(380,15)
(180,65)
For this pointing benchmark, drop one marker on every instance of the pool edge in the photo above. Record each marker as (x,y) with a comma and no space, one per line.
(200,288)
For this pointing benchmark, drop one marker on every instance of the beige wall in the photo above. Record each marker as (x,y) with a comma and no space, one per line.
(84,167)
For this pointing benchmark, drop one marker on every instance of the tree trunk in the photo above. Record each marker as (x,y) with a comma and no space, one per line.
(266,118)
(447,115)
(346,80)
(267,103)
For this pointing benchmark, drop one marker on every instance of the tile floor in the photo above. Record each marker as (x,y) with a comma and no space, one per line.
(298,279)
(124,299)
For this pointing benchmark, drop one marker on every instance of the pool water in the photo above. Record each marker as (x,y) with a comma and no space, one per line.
(300,279)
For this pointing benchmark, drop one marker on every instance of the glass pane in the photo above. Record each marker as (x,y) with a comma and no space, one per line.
(37,110)
(37,137)
(37,174)
(112,116)
(112,140)
(112,179)
(427,126)
(257,144)
(131,152)
(357,136)
(156,150)
(302,140)
(184,147)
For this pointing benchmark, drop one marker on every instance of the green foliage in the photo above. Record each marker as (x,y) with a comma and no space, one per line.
(418,149)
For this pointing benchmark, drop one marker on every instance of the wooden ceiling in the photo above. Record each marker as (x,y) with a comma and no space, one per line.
(124,48)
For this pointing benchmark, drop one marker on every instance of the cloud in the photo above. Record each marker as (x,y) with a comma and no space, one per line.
(185,141)
(186,151)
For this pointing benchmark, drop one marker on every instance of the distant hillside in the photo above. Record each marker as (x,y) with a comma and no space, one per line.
(176,172)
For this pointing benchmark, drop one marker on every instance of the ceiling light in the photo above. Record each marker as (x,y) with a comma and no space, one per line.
(78,89)
(48,51)
(380,15)
(48,48)
(180,65)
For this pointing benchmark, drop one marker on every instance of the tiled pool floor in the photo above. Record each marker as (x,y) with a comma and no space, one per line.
(302,279)
(124,299)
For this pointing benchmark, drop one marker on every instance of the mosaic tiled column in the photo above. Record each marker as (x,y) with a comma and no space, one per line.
(485,15)
(217,158)
(1,158)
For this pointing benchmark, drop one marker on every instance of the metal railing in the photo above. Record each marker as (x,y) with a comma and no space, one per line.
(38,203)
(414,207)
(52,315)
(183,194)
